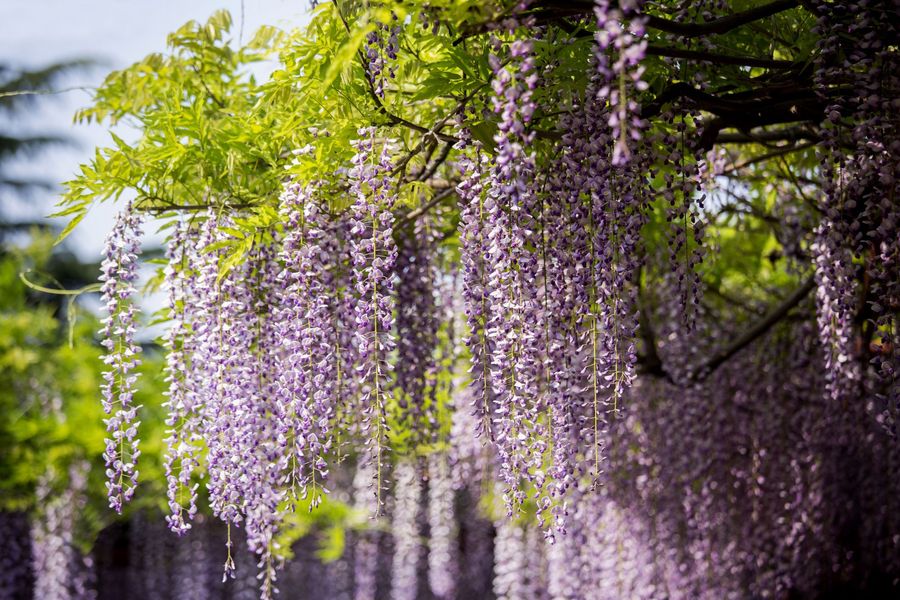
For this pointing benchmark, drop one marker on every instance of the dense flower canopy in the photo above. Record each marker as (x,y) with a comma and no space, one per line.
(629,272)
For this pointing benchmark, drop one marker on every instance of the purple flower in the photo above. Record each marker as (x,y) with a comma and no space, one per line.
(184,439)
(119,275)
(373,254)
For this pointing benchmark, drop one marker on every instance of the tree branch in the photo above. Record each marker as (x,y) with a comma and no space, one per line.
(792,134)
(764,157)
(379,105)
(722,24)
(435,165)
(190,207)
(752,334)
(548,12)
(415,214)
(721,59)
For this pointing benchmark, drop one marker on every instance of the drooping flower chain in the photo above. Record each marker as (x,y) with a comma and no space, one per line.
(417,330)
(408,550)
(184,438)
(514,328)
(443,559)
(620,30)
(473,237)
(382,45)
(308,371)
(374,254)
(119,277)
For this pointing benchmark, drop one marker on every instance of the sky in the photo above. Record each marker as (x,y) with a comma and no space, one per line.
(115,33)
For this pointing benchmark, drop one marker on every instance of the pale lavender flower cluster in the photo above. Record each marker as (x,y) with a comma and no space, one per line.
(856,250)
(184,438)
(119,276)
(265,459)
(550,266)
(217,325)
(308,369)
(408,550)
(443,560)
(374,254)
(510,560)
(234,341)
(836,291)
(417,329)
(473,237)
(262,353)
(616,214)
(365,549)
(60,572)
(382,46)
(514,327)
(620,49)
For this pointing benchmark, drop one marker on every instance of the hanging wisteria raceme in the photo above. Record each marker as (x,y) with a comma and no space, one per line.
(347,426)
(443,560)
(616,212)
(382,45)
(51,542)
(374,254)
(591,224)
(473,237)
(243,423)
(184,436)
(119,276)
(214,316)
(535,583)
(365,548)
(563,560)
(836,293)
(857,238)
(268,421)
(682,163)
(515,327)
(408,550)
(622,214)
(566,233)
(308,369)
(58,567)
(417,328)
(510,561)
(620,48)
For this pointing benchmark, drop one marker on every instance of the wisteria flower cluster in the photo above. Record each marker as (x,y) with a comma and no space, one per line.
(119,276)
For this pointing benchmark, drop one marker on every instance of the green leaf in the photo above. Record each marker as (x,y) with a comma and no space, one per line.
(72,225)
(345,55)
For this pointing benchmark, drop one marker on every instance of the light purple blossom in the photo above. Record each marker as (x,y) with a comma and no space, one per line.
(119,276)
(374,254)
